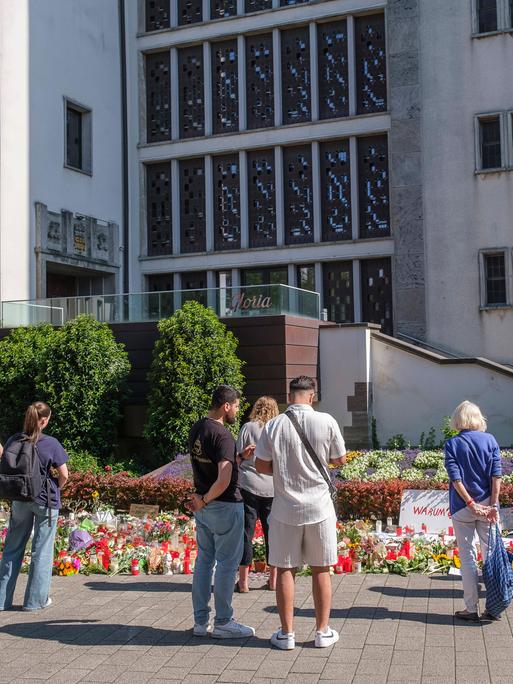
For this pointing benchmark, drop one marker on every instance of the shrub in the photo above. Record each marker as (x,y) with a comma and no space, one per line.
(194,354)
(82,462)
(82,379)
(22,355)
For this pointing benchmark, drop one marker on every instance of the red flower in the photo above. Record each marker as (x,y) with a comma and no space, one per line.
(108,469)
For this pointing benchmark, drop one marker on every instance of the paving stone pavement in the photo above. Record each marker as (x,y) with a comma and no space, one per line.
(138,629)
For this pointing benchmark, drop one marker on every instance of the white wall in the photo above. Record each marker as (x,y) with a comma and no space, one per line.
(412,394)
(14,151)
(50,50)
(463,212)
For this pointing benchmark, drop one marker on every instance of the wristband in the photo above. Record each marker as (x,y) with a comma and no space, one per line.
(203,499)
(470,502)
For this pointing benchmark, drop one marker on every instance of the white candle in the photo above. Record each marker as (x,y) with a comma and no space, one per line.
(379,526)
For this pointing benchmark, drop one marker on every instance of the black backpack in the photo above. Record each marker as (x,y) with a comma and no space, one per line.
(20,470)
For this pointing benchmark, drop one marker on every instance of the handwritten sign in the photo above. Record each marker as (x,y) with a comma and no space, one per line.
(425,507)
(143,511)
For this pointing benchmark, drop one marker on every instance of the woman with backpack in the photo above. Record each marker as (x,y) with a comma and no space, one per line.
(39,514)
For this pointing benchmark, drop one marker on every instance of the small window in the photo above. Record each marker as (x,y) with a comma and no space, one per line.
(495,279)
(490,148)
(510,22)
(306,277)
(78,138)
(486,16)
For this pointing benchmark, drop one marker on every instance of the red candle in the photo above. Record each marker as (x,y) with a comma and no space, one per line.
(135,567)
(187,566)
(399,531)
(450,532)
(424,528)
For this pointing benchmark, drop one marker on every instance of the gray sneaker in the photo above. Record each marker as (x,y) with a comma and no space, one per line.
(202,630)
(232,630)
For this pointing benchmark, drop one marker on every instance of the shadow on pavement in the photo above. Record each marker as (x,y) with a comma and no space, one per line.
(95,633)
(139,586)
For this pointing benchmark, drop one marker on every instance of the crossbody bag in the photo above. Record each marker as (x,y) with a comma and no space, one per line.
(311,452)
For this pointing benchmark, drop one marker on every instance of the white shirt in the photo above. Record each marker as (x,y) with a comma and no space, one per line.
(301,495)
(249,479)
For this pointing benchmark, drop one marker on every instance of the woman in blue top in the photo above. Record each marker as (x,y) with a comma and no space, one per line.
(473,462)
(40,515)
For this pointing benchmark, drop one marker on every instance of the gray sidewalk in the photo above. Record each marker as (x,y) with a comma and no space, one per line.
(138,629)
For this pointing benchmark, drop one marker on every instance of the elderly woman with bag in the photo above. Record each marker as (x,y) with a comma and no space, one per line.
(473,463)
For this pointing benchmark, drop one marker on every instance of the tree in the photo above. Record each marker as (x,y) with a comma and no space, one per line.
(194,353)
(82,378)
(22,355)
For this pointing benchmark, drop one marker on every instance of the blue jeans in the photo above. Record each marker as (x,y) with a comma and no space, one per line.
(220,538)
(26,515)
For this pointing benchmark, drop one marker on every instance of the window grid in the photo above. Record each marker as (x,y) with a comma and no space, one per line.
(373,186)
(261,198)
(259,81)
(376,282)
(73,137)
(298,196)
(158,97)
(223,8)
(338,291)
(495,279)
(189,12)
(295,70)
(192,206)
(226,202)
(257,5)
(157,15)
(192,110)
(225,79)
(371,77)
(335,190)
(333,69)
(158,183)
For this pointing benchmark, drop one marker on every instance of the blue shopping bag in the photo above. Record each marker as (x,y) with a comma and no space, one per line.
(497,574)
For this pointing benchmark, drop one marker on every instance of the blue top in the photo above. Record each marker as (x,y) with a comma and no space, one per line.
(474,465)
(51,455)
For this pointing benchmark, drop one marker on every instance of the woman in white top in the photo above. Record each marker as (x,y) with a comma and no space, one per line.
(256,489)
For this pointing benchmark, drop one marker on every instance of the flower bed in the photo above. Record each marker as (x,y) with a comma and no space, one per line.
(410,464)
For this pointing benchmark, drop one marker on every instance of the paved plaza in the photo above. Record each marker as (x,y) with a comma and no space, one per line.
(138,629)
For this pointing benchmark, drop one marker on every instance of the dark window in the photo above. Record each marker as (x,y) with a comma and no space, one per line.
(371,76)
(338,291)
(335,190)
(74,133)
(264,276)
(373,186)
(376,279)
(487,15)
(192,206)
(157,15)
(257,5)
(192,111)
(490,141)
(495,277)
(189,12)
(196,280)
(158,181)
(511,13)
(295,74)
(297,176)
(160,282)
(306,277)
(333,83)
(223,8)
(261,199)
(158,97)
(286,3)
(259,81)
(225,79)
(226,202)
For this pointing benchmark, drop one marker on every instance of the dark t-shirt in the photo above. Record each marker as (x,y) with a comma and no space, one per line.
(51,455)
(209,444)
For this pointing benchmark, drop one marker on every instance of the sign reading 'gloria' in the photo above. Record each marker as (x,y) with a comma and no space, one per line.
(245,302)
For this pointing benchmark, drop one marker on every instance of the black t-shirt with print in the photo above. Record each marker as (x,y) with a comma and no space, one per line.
(209,444)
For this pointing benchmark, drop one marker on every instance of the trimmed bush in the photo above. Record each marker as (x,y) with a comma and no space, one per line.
(82,379)
(194,354)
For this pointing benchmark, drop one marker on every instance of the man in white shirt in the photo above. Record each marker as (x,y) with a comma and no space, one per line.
(302,524)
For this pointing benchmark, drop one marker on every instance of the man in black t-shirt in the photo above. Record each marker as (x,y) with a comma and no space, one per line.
(219,513)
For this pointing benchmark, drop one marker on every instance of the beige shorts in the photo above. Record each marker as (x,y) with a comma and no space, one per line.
(292,546)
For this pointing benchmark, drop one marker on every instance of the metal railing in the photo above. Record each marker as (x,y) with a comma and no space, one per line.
(228,302)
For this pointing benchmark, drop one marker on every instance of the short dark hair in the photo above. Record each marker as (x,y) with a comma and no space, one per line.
(302,383)
(224,394)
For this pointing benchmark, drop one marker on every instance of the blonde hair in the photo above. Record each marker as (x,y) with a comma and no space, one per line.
(263,410)
(33,415)
(468,416)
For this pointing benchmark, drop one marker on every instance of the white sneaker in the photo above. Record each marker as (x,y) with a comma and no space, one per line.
(326,638)
(202,630)
(284,641)
(47,604)
(232,630)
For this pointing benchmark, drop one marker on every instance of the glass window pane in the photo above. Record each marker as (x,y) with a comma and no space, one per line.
(306,277)
(189,12)
(297,172)
(295,74)
(157,15)
(338,291)
(373,186)
(487,15)
(495,276)
(225,79)
(73,137)
(333,69)
(158,97)
(371,75)
(192,206)
(261,199)
(259,81)
(335,191)
(226,202)
(192,111)
(490,138)
(158,191)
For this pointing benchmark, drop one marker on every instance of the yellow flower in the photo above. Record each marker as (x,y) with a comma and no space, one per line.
(95,495)
(457,562)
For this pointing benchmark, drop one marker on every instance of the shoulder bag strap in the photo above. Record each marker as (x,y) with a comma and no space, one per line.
(309,448)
